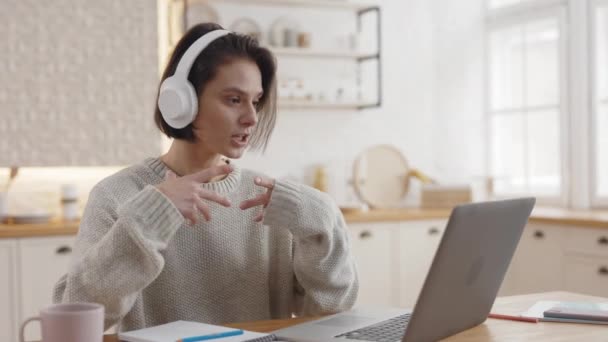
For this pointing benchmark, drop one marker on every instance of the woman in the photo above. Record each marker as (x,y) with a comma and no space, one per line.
(262,249)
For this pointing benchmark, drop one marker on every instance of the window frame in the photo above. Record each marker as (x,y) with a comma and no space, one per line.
(513,16)
(597,201)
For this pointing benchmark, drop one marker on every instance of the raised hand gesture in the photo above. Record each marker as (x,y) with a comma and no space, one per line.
(187,194)
(260,200)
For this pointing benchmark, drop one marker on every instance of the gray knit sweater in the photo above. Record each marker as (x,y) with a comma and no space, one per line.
(136,255)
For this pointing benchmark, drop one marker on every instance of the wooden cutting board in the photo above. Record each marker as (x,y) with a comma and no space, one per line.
(381,176)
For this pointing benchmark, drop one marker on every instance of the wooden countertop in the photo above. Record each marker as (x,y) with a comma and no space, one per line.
(557,216)
(493,330)
(397,214)
(582,218)
(56,227)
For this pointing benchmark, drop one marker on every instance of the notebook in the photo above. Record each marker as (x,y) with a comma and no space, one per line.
(538,311)
(586,314)
(171,332)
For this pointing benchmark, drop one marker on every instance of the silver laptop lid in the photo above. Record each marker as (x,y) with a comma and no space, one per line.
(468,268)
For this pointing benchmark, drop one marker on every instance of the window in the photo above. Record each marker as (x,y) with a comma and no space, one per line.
(526,62)
(600,98)
(547,99)
(495,4)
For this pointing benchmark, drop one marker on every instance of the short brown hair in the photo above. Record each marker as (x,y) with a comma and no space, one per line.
(221,51)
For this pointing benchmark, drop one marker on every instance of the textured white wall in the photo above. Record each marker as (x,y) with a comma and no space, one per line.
(459,89)
(78,80)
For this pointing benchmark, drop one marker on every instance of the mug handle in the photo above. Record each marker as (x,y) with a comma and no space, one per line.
(22,329)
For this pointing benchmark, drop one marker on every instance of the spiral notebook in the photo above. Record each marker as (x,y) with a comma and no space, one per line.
(174,331)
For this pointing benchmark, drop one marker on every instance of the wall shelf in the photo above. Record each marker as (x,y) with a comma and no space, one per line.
(292,104)
(359,58)
(318,53)
(337,4)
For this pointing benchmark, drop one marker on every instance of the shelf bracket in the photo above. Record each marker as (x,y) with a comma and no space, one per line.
(376,57)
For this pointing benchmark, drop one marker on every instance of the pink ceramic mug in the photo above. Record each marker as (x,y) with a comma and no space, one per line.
(70,322)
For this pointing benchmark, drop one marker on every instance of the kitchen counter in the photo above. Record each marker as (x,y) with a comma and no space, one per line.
(21,230)
(397,214)
(556,216)
(547,215)
(582,218)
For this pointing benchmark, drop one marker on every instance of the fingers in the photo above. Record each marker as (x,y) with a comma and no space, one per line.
(190,215)
(214,197)
(202,195)
(202,207)
(267,183)
(198,204)
(206,175)
(259,217)
(170,175)
(261,199)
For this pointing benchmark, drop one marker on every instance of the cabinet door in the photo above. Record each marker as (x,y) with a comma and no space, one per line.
(586,260)
(8,290)
(418,242)
(587,275)
(42,262)
(371,246)
(537,265)
(590,241)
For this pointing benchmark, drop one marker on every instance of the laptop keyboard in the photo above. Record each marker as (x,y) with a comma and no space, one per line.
(391,330)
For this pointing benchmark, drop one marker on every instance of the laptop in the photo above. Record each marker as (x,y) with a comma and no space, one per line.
(459,289)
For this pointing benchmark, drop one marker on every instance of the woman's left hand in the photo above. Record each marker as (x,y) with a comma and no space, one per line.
(262,199)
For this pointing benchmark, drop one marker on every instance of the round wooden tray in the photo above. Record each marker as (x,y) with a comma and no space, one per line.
(380,176)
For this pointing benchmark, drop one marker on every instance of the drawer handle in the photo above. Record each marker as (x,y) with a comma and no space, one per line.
(433,231)
(603,240)
(539,234)
(365,234)
(63,250)
(603,271)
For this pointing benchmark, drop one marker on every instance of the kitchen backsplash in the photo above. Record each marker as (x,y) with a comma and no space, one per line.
(77,77)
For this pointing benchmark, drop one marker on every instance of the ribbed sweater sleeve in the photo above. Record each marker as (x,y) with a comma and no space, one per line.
(326,276)
(118,250)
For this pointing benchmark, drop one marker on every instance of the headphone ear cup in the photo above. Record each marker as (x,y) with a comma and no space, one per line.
(177,102)
(193,101)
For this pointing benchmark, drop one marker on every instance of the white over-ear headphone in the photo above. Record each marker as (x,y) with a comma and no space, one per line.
(177,99)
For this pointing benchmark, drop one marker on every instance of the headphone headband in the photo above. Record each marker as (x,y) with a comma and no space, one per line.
(185,63)
(177,100)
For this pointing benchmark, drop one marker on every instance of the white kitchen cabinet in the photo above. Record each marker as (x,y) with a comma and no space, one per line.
(418,242)
(42,261)
(537,264)
(586,266)
(8,290)
(393,259)
(370,243)
(586,275)
(586,241)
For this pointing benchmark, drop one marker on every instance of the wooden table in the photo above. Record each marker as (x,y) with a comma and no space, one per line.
(491,329)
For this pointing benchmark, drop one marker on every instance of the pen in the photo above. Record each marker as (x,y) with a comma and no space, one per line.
(514,318)
(211,336)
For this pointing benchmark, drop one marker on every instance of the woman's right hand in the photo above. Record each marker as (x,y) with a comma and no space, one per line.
(187,194)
